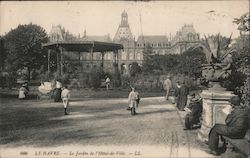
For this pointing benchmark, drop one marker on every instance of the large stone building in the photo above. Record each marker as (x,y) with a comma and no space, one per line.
(185,38)
(125,37)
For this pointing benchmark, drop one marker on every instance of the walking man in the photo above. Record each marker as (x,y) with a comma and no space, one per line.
(167,85)
(65,95)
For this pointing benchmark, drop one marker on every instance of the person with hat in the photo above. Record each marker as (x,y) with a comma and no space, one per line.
(23,91)
(107,82)
(194,110)
(183,94)
(235,127)
(177,94)
(133,100)
(65,95)
(167,85)
(58,91)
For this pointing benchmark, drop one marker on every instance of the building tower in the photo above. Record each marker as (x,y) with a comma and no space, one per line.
(123,32)
(124,19)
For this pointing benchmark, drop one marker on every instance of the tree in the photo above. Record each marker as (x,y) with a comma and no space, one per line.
(24,47)
(243,22)
(191,61)
(95,78)
(239,81)
(2,53)
(149,63)
(240,78)
(135,69)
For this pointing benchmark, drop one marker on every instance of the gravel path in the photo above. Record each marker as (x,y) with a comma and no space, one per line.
(102,123)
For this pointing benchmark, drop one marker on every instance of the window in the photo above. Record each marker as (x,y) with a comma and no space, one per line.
(138,56)
(87,56)
(131,56)
(124,55)
(94,56)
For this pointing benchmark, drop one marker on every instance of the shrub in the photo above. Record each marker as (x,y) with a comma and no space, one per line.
(95,78)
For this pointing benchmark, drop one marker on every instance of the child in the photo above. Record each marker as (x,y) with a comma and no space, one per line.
(133,100)
(65,95)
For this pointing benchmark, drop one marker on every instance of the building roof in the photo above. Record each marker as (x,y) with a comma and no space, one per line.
(188,29)
(152,39)
(105,38)
(84,46)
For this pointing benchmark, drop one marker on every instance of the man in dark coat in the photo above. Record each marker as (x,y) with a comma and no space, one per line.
(183,93)
(236,125)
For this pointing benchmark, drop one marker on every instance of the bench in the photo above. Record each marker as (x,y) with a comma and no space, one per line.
(240,145)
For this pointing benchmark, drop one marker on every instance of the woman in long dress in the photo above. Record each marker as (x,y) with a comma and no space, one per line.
(58,91)
(177,94)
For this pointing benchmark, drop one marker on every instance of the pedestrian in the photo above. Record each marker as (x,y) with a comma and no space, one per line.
(107,82)
(23,91)
(235,127)
(177,94)
(194,110)
(167,85)
(183,94)
(58,91)
(65,98)
(133,101)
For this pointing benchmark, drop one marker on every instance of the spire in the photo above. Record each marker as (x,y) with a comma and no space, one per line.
(124,21)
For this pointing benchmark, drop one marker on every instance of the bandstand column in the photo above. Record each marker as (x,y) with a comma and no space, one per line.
(91,55)
(79,61)
(102,53)
(49,52)
(115,61)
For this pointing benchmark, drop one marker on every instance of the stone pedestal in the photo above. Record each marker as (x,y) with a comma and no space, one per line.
(214,101)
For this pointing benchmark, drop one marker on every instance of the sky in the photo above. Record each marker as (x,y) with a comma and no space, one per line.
(104,17)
